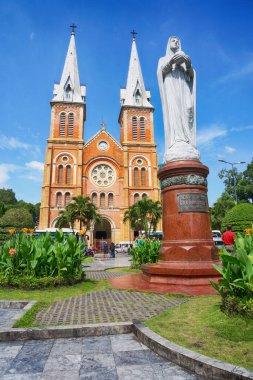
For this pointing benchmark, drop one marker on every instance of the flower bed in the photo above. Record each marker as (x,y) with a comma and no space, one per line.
(41,261)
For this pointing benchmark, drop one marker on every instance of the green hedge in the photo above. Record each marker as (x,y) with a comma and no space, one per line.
(28,282)
(240,216)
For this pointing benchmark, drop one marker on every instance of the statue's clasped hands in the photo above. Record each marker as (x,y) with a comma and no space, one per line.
(179,58)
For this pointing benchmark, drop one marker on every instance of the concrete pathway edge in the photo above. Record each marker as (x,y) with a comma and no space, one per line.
(202,365)
(73,331)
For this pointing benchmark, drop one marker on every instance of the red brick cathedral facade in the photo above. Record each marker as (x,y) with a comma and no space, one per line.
(113,174)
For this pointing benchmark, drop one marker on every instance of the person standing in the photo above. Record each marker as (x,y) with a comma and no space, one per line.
(228,238)
(105,248)
(112,250)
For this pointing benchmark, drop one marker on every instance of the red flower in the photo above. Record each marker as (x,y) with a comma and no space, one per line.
(12,251)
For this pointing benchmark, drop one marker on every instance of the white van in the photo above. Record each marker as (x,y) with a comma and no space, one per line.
(123,247)
(217,238)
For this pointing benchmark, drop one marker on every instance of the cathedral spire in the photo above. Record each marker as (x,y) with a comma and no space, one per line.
(135,94)
(69,89)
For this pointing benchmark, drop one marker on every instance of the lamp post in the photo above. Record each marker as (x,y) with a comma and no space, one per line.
(233,165)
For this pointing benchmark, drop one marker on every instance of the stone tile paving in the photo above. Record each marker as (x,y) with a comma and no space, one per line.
(8,316)
(107,306)
(117,357)
(101,263)
(101,275)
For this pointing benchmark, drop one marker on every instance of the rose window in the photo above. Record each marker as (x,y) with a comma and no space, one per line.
(102,175)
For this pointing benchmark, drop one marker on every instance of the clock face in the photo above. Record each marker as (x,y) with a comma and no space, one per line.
(103,145)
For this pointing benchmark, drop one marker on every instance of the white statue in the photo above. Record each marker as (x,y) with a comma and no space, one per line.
(177,85)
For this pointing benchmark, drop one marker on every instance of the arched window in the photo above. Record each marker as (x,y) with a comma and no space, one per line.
(71,124)
(143,177)
(136,177)
(59,200)
(62,124)
(94,198)
(60,173)
(67,198)
(68,174)
(136,197)
(134,127)
(110,200)
(102,200)
(142,128)
(144,195)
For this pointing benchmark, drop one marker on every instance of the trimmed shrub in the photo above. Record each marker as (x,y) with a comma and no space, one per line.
(240,216)
(27,282)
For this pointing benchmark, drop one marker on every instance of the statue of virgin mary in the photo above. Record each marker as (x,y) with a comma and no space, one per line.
(177,85)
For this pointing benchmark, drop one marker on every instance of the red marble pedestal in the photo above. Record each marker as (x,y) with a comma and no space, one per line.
(188,252)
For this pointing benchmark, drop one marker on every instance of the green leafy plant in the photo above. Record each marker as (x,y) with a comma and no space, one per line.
(36,257)
(146,253)
(237,271)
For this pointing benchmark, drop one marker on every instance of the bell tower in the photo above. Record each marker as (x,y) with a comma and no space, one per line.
(137,135)
(63,163)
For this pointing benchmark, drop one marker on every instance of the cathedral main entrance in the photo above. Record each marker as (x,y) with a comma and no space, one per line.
(102,232)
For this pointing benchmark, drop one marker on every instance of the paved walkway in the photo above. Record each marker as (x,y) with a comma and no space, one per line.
(101,275)
(101,263)
(117,357)
(106,306)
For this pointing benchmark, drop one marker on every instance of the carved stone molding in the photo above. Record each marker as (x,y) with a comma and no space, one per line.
(190,179)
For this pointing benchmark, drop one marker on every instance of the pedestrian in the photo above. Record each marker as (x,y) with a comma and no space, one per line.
(112,250)
(228,238)
(105,248)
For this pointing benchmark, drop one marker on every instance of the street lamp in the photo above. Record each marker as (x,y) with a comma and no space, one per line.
(233,164)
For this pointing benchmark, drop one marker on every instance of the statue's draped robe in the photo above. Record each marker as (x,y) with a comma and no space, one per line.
(178,95)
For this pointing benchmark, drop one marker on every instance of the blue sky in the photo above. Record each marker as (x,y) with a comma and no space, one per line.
(217,35)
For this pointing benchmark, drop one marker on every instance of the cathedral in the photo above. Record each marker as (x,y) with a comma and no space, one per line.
(114,174)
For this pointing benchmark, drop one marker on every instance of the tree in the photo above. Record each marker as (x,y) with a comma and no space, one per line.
(17,217)
(144,215)
(219,209)
(7,196)
(81,209)
(239,185)
(245,186)
(231,179)
(33,209)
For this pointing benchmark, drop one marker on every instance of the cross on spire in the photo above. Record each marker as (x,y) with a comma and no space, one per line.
(103,124)
(134,34)
(73,26)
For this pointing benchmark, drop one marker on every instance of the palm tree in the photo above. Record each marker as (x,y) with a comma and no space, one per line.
(81,209)
(144,215)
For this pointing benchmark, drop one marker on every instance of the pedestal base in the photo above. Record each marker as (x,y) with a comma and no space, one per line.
(188,252)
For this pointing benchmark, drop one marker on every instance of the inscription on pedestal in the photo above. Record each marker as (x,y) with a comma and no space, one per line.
(192,202)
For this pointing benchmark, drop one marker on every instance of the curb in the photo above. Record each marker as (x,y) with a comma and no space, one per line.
(73,331)
(202,365)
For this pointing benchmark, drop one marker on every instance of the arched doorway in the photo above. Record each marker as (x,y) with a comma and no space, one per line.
(102,232)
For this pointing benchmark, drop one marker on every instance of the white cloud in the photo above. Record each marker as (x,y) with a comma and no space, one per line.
(239,73)
(208,135)
(12,143)
(242,128)
(230,149)
(36,165)
(32,177)
(5,170)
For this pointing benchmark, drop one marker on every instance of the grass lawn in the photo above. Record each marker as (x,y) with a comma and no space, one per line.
(200,326)
(124,269)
